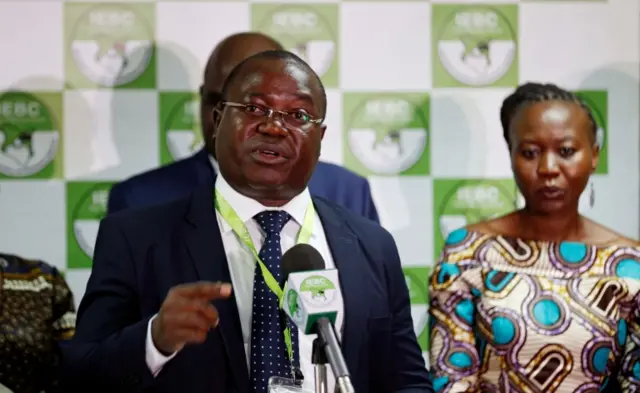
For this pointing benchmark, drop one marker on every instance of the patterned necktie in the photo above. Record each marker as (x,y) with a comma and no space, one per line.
(268,350)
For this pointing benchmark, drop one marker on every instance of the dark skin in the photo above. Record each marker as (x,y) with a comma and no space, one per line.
(187,315)
(242,137)
(553,154)
(225,56)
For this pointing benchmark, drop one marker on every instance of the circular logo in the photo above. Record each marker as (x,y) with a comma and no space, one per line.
(317,290)
(182,129)
(477,45)
(111,44)
(29,137)
(387,135)
(304,31)
(86,216)
(471,202)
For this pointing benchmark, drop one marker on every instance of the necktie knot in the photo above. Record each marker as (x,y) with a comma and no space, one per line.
(272,221)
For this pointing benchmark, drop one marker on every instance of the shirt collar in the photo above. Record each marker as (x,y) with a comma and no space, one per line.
(246,208)
(214,164)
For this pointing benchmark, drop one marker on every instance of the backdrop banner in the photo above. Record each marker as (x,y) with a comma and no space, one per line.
(92,93)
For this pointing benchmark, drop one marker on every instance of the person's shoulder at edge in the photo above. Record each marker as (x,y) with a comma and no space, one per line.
(607,236)
(63,303)
(362,226)
(337,172)
(600,234)
(156,186)
(450,253)
(19,264)
(158,175)
(152,217)
(488,227)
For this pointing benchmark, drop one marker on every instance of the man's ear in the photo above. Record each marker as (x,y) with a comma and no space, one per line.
(201,91)
(216,116)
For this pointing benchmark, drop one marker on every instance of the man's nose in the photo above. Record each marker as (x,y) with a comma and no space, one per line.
(273,126)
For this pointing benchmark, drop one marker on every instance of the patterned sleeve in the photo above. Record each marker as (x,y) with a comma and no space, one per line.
(629,374)
(64,310)
(453,356)
(64,322)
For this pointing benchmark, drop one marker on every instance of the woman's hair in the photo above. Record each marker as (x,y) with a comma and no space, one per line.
(529,93)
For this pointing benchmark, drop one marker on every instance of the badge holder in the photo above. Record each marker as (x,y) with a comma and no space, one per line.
(285,385)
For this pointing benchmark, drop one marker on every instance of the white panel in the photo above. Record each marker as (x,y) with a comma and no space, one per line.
(31,44)
(33,223)
(386,46)
(187,33)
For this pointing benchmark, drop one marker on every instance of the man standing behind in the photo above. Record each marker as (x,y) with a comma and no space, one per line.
(159,314)
(170,182)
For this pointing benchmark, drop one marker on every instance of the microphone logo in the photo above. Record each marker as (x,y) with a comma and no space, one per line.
(293,305)
(310,296)
(317,290)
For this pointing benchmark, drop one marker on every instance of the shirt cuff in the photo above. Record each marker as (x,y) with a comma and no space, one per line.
(155,360)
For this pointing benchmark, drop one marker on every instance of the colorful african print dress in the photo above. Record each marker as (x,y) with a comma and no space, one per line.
(509,315)
(37,314)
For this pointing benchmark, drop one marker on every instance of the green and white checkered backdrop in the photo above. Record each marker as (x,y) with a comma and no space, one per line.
(102,91)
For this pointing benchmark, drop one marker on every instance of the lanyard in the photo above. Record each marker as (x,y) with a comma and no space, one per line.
(231,217)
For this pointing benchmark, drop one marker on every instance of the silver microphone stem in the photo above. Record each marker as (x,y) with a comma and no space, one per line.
(321,378)
(333,353)
(319,360)
(344,383)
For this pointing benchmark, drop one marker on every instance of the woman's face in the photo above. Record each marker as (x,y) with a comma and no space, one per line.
(553,153)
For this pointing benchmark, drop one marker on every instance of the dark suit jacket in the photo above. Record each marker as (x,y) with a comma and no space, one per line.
(178,179)
(140,254)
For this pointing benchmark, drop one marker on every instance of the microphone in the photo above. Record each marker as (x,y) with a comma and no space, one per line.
(312,301)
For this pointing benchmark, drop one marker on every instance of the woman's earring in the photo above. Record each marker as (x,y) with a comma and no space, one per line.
(592,195)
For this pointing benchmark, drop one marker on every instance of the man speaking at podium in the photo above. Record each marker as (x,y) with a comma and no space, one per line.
(177,300)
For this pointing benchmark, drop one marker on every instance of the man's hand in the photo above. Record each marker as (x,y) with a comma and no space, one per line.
(187,315)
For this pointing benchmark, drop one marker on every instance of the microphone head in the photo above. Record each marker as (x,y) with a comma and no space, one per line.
(299,258)
(311,291)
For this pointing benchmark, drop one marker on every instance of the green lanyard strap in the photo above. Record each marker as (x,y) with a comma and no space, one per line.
(231,217)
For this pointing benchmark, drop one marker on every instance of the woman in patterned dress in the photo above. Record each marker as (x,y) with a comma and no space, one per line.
(542,299)
(37,314)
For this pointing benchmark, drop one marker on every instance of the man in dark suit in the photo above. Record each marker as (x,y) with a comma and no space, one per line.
(159,314)
(179,178)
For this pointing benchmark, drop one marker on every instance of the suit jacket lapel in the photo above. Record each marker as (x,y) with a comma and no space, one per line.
(349,259)
(204,245)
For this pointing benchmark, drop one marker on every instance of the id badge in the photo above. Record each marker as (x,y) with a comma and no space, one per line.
(285,385)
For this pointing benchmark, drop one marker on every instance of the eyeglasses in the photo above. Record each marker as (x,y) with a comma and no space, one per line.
(294,119)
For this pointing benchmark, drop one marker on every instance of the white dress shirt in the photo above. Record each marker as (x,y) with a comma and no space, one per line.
(242,267)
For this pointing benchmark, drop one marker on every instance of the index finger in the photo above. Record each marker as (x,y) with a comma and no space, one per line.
(204,290)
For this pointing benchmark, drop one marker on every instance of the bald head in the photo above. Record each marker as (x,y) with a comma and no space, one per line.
(232,51)
(288,63)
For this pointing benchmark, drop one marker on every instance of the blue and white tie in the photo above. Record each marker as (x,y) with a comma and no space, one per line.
(268,350)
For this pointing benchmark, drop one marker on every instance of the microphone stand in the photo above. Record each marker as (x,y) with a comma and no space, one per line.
(319,360)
